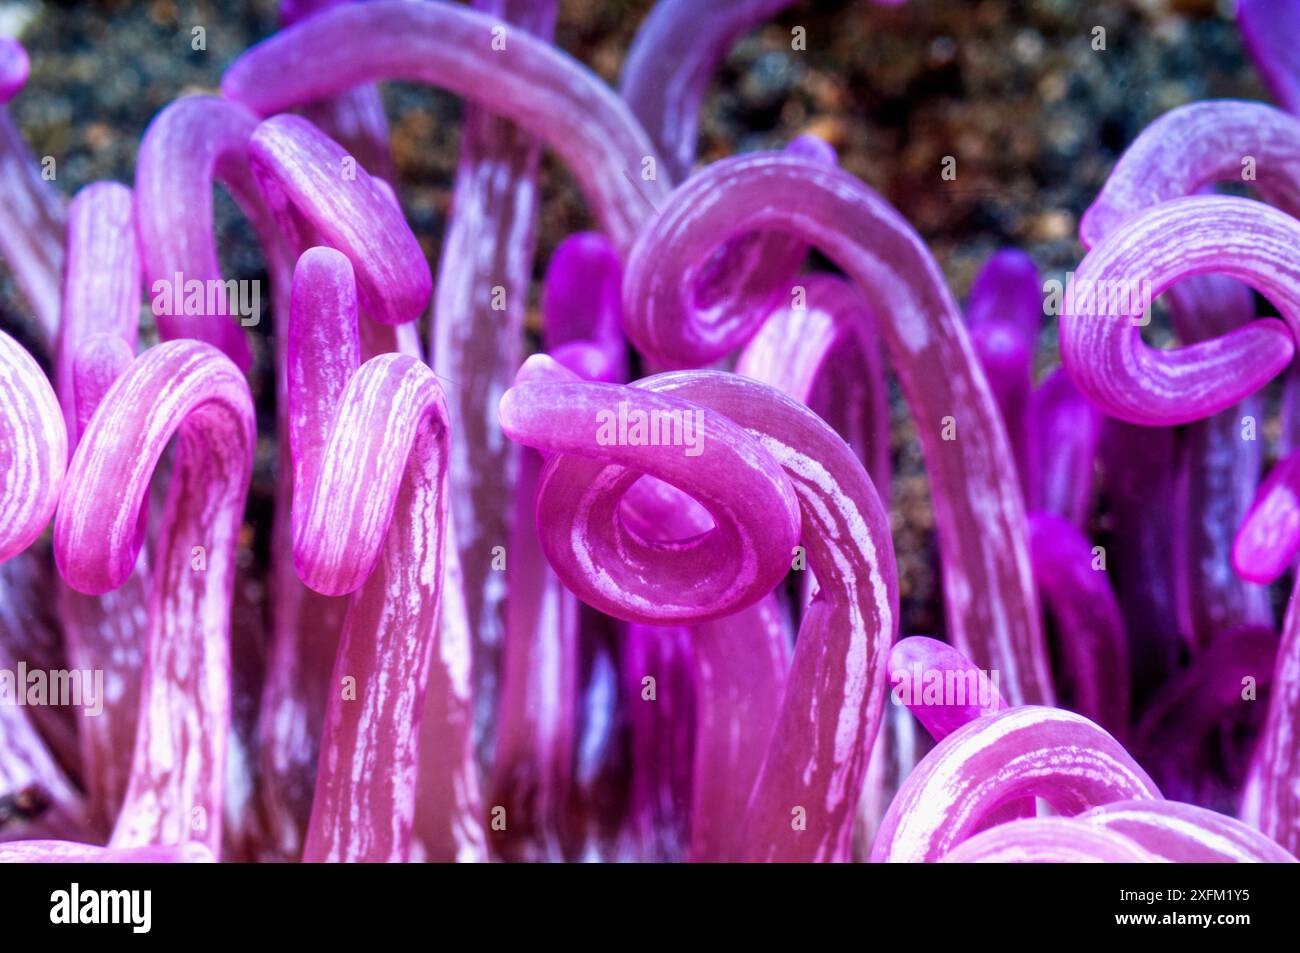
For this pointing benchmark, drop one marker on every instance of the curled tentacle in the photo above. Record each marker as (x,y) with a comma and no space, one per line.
(975,487)
(1100,341)
(186,390)
(764,449)
(33,449)
(1193,147)
(190,145)
(529,82)
(316,192)
(355,117)
(1021,752)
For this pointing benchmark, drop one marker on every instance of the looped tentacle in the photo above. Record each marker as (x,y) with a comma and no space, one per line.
(1102,348)
(976,490)
(762,455)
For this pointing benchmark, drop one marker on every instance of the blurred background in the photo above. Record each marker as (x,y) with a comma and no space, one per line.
(1015,91)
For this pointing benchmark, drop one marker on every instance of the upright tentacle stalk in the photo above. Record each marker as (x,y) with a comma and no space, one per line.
(370,518)
(476,340)
(108,633)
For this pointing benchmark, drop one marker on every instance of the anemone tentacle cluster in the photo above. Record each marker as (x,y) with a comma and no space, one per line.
(536,607)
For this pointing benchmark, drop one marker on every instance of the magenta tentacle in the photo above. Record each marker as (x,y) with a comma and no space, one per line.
(316,192)
(188,390)
(1064,436)
(742,559)
(1218,468)
(818,754)
(101,291)
(1004,315)
(476,339)
(976,492)
(1268,539)
(915,659)
(32,214)
(1185,834)
(820,347)
(1090,639)
(33,449)
(534,754)
(742,663)
(663,719)
(191,145)
(1048,840)
(673,57)
(945,691)
(529,82)
(738,666)
(15,67)
(1195,146)
(1021,752)
(537,713)
(369,518)
(1271,801)
(97,339)
(1271,32)
(1151,250)
(355,117)
(583,306)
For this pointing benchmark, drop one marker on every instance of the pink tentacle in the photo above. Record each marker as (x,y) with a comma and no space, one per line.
(187,390)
